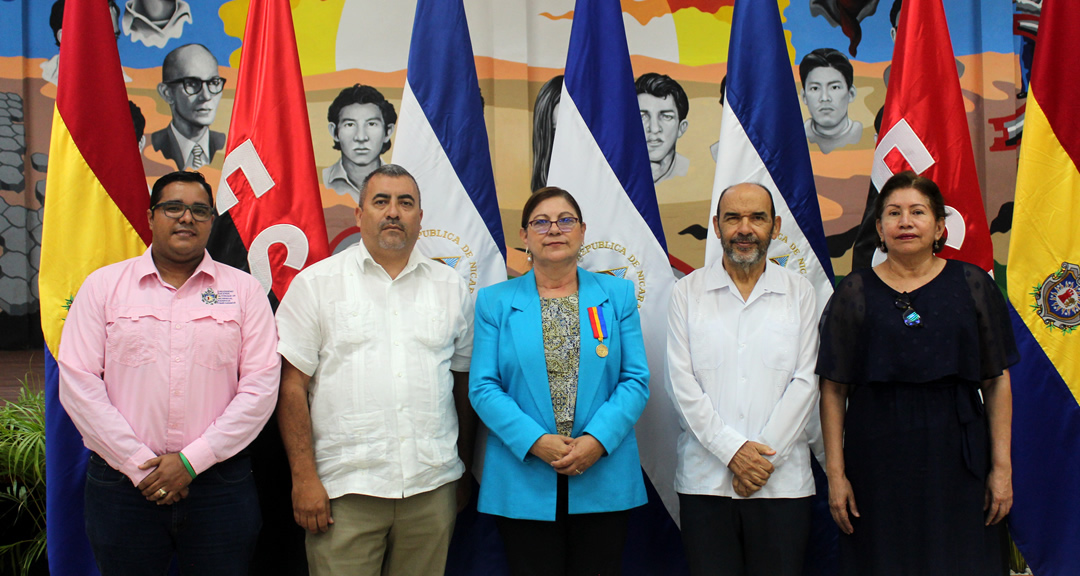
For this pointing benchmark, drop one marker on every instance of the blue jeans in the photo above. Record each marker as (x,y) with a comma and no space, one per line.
(211,532)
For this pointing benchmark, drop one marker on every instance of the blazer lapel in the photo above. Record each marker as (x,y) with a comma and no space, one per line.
(526,331)
(591,366)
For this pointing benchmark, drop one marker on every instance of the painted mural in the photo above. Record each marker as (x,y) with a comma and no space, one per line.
(180,60)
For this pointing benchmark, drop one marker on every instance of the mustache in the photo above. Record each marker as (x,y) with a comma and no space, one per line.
(746,238)
(391,222)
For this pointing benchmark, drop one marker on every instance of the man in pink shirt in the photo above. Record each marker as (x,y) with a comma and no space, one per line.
(169,369)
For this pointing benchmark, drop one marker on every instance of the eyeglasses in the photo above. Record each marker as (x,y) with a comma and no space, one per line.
(910,316)
(174,210)
(543,225)
(193,85)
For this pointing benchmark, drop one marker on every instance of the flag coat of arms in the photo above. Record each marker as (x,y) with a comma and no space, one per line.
(1044,291)
(442,141)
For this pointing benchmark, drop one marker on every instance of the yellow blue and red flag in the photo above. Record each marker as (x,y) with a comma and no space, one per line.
(95,214)
(1043,275)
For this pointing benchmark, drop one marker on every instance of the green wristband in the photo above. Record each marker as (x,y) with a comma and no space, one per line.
(187,465)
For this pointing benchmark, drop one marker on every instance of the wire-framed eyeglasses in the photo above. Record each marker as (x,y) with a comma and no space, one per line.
(543,225)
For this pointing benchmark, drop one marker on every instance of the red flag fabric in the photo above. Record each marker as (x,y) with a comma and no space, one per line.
(269,187)
(924,128)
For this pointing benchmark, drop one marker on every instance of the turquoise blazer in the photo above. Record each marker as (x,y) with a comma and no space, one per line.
(508,387)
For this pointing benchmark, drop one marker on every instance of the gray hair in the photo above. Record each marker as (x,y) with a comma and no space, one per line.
(390,171)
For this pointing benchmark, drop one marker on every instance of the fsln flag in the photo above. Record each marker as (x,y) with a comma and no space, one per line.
(924,129)
(442,141)
(1044,290)
(95,214)
(601,157)
(762,141)
(270,210)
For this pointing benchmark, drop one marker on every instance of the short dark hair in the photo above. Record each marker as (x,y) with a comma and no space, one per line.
(827,58)
(662,86)
(924,186)
(544,194)
(179,176)
(390,171)
(138,120)
(56,17)
(772,204)
(361,94)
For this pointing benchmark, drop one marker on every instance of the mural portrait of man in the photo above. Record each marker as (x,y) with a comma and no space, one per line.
(191,86)
(361,123)
(664,106)
(827,77)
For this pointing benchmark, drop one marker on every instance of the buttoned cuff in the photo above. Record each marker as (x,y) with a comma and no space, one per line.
(131,467)
(199,455)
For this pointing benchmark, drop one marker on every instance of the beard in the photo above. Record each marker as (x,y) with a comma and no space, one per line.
(743,259)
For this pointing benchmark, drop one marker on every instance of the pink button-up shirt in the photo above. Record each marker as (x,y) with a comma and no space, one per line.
(147,369)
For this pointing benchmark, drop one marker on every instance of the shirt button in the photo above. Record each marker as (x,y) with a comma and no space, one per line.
(178,327)
(177,358)
(399,374)
(395,312)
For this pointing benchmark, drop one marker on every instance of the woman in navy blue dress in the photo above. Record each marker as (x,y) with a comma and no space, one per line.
(916,405)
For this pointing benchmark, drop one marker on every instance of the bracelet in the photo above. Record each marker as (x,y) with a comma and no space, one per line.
(187,465)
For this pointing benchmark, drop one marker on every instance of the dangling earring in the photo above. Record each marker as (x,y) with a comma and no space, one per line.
(528,256)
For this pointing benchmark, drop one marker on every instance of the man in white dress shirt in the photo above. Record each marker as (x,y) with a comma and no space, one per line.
(376,342)
(742,345)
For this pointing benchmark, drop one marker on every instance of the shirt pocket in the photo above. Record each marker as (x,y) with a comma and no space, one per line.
(781,351)
(216,337)
(354,322)
(437,446)
(432,325)
(133,335)
(357,442)
(706,348)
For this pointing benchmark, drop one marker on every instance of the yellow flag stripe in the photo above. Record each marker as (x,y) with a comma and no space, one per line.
(83,230)
(1044,234)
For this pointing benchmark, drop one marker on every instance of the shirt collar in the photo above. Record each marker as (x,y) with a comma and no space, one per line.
(144,266)
(416,259)
(186,145)
(770,281)
(337,172)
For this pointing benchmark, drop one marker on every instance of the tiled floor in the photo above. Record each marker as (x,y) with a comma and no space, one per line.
(18,366)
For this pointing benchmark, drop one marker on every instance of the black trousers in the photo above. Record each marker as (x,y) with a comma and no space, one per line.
(574,544)
(753,537)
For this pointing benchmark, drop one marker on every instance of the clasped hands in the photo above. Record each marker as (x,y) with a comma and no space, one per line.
(569,456)
(168,483)
(750,470)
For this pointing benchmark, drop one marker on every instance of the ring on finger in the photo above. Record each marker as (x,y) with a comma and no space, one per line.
(162,493)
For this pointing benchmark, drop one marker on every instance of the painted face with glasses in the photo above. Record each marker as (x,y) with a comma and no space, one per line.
(554,232)
(192,88)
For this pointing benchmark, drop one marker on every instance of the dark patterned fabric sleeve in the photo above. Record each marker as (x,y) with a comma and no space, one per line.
(842,354)
(997,347)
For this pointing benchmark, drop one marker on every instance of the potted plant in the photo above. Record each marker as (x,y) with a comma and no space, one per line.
(22,483)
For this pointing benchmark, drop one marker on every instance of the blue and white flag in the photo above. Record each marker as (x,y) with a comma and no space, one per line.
(600,156)
(762,140)
(442,140)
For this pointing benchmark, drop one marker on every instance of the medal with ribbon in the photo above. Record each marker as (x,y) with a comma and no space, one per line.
(599,329)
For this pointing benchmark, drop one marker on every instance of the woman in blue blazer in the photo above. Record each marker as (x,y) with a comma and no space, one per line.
(559,377)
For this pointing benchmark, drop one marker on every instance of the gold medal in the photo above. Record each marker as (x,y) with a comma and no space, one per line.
(601,350)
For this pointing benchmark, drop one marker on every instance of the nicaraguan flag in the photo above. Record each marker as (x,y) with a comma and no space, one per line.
(442,140)
(600,156)
(1044,290)
(762,140)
